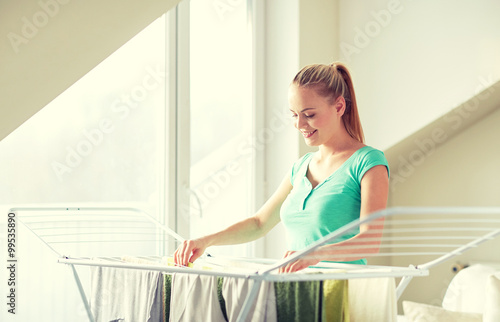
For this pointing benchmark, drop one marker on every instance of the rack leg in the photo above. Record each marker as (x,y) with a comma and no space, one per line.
(402,286)
(249,301)
(82,293)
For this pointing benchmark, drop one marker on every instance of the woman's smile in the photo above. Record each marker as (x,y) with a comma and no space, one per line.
(308,134)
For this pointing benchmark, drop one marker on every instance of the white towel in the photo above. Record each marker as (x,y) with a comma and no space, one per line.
(194,298)
(236,290)
(372,299)
(122,294)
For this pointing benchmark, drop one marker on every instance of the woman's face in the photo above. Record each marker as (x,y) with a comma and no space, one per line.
(314,115)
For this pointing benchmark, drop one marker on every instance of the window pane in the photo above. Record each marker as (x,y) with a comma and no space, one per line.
(221,117)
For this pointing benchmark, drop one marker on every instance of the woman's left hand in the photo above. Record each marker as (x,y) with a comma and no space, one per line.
(298,264)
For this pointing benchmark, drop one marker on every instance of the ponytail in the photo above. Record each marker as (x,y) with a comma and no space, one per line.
(332,81)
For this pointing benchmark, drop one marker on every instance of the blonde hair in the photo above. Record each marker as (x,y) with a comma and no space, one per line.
(332,81)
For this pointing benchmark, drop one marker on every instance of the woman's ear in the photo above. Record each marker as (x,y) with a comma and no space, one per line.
(339,105)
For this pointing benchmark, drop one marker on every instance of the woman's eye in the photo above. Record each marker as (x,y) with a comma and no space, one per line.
(307,116)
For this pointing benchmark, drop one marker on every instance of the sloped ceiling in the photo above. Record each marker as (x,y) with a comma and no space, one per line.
(47,45)
(408,153)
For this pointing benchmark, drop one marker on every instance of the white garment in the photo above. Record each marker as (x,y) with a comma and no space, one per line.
(236,290)
(122,294)
(372,299)
(194,298)
(157,313)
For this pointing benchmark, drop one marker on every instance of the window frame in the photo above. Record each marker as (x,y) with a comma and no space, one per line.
(178,172)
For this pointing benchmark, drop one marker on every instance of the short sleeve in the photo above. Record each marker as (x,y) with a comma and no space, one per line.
(299,165)
(369,160)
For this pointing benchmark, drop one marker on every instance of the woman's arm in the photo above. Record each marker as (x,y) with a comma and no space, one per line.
(244,231)
(374,193)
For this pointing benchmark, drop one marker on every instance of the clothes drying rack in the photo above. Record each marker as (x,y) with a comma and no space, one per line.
(429,235)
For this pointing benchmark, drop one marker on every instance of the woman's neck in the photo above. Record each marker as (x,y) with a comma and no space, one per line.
(341,142)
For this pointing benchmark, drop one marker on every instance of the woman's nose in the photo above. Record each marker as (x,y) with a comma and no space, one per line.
(300,121)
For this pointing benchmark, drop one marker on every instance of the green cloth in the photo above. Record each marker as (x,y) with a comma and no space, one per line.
(167,280)
(309,214)
(335,301)
(222,302)
(298,301)
(312,301)
(295,301)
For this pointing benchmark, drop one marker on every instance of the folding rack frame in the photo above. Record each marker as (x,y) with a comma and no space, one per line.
(434,233)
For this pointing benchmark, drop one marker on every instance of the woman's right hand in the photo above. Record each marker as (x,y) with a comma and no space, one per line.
(189,251)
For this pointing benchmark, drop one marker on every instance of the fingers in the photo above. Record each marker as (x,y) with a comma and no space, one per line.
(188,252)
(177,255)
(195,255)
(182,253)
(297,265)
(294,267)
(286,268)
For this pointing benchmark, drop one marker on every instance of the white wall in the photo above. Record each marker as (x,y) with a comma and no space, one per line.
(413,61)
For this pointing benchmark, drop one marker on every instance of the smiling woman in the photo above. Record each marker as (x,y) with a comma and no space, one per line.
(343,181)
(334,83)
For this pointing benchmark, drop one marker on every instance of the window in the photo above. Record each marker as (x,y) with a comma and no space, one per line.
(100,143)
(221,118)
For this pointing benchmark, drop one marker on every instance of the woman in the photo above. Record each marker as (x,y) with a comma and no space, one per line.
(343,181)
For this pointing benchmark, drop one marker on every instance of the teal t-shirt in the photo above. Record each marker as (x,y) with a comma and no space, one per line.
(310,214)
